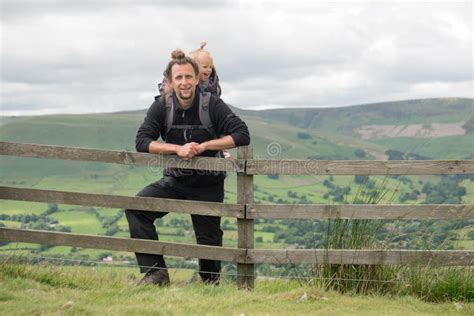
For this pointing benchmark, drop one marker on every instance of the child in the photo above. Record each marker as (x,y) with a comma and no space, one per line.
(208,79)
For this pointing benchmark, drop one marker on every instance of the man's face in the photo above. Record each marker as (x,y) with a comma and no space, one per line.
(183,81)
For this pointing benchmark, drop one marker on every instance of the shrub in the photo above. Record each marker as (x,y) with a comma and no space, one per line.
(302,135)
(360,179)
(360,153)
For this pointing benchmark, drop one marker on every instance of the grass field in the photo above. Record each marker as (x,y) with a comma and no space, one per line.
(18,208)
(80,222)
(44,289)
(469,197)
(450,147)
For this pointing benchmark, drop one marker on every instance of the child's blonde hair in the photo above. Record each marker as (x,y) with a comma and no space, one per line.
(197,52)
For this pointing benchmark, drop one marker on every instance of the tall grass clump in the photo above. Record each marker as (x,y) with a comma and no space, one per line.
(437,284)
(430,283)
(357,234)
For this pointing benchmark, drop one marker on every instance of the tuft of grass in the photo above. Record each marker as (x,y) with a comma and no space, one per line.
(438,284)
(429,283)
(357,234)
(54,276)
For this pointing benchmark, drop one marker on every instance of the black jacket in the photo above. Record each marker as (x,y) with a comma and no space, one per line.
(225,123)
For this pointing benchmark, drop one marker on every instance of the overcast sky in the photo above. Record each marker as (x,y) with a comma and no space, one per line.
(103,56)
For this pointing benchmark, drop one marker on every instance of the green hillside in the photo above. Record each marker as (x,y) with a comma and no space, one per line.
(345,119)
(331,130)
(276,134)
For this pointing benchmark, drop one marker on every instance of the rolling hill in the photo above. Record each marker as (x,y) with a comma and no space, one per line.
(408,128)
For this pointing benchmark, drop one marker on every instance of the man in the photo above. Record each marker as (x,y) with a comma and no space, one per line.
(176,118)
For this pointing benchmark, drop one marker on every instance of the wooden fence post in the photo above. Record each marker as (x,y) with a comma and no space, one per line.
(245,277)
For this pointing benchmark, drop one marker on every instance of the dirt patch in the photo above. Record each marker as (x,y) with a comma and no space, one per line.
(413,130)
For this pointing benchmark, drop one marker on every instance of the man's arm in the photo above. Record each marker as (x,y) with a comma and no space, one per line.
(156,147)
(187,151)
(225,142)
(227,123)
(149,132)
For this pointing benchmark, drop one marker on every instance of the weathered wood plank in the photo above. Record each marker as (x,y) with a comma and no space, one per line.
(369,257)
(152,161)
(245,227)
(303,167)
(123,244)
(360,211)
(356,167)
(254,256)
(126,202)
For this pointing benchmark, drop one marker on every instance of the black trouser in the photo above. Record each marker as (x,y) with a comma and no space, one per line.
(206,228)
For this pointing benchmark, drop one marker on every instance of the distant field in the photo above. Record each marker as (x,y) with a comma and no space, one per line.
(19,207)
(80,222)
(450,147)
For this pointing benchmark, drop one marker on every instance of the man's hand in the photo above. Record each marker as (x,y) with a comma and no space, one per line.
(188,151)
(202,147)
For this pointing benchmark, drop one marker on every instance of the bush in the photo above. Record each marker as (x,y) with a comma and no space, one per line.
(292,194)
(52,208)
(112,230)
(270,228)
(302,135)
(447,190)
(360,153)
(394,154)
(226,225)
(361,179)
(327,183)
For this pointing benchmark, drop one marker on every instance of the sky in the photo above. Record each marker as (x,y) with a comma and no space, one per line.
(103,56)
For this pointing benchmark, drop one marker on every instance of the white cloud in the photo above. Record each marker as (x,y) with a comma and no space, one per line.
(98,56)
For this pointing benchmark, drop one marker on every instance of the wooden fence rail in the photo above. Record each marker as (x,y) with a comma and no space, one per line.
(245,210)
(362,256)
(152,161)
(123,244)
(247,166)
(244,256)
(361,211)
(118,201)
(359,167)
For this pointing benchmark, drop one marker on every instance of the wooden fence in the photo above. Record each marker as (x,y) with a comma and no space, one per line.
(245,210)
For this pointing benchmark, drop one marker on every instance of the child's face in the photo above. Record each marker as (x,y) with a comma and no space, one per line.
(205,66)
